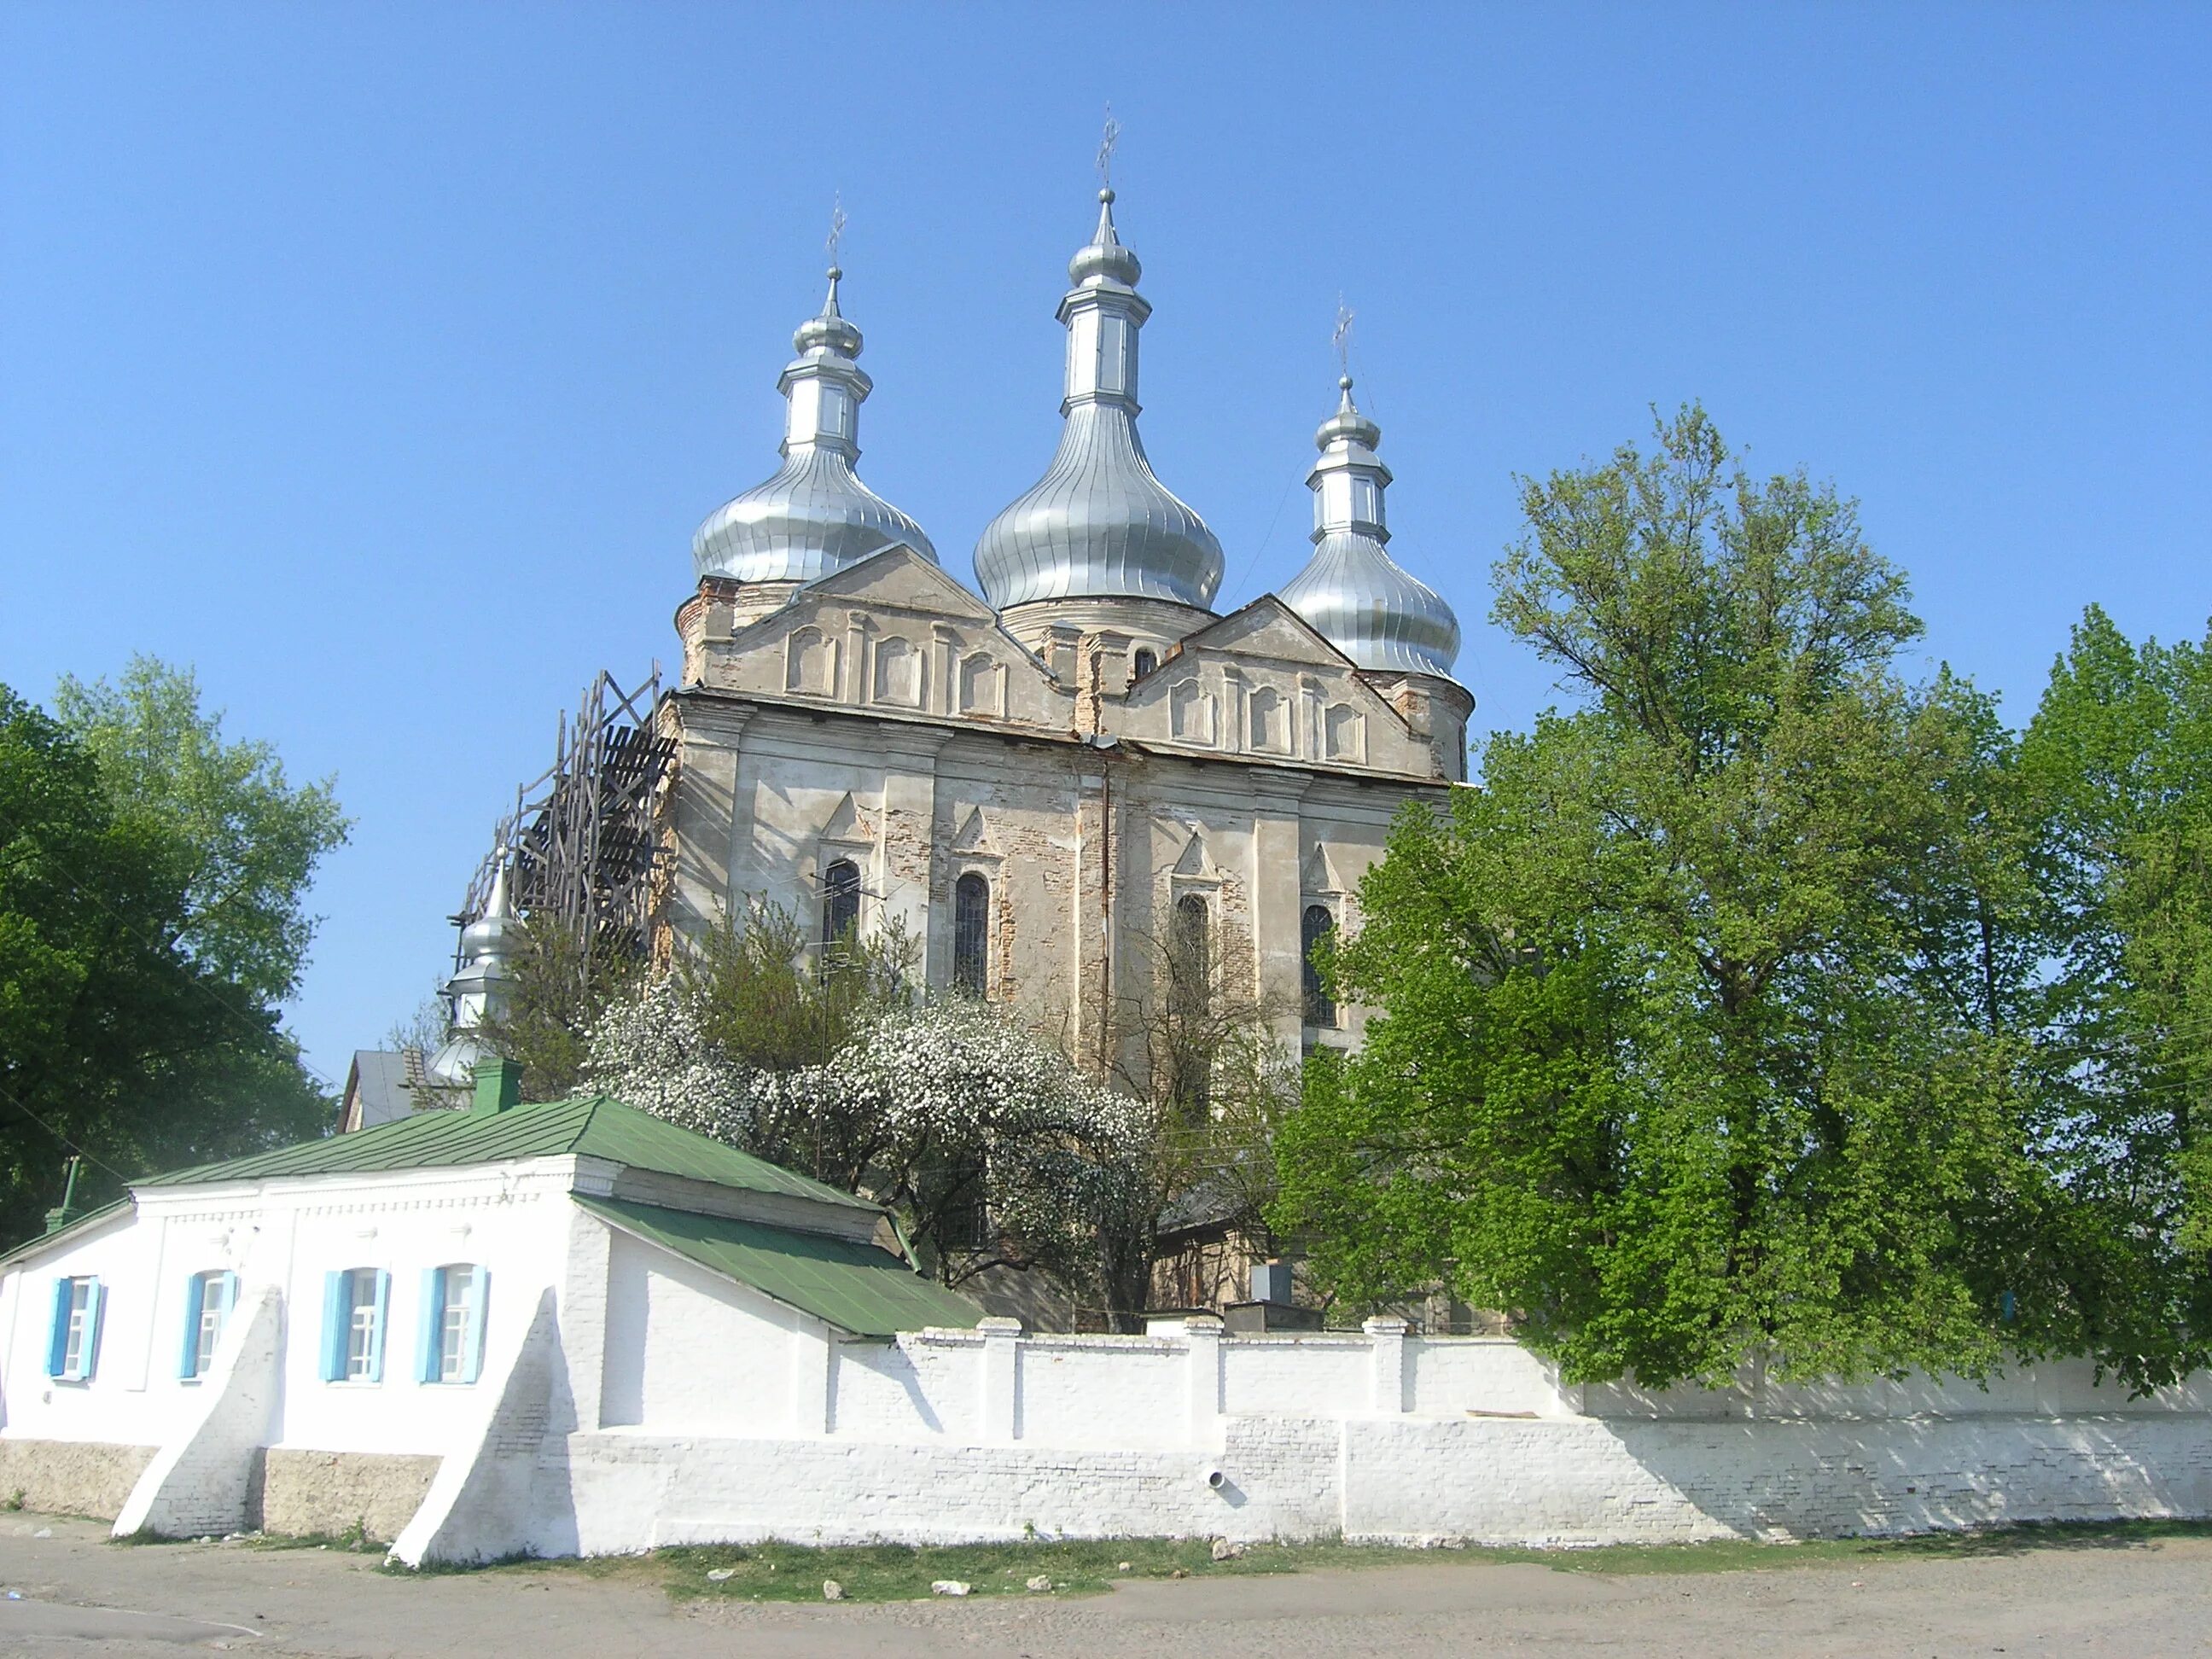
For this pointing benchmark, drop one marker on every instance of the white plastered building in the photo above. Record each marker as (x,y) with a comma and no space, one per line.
(572,1328)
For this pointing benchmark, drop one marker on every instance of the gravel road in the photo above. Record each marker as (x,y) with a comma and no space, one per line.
(81,1595)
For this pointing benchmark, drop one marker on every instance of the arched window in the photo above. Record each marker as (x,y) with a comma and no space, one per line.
(971,934)
(1147,659)
(1190,970)
(1190,1044)
(1315,940)
(841,910)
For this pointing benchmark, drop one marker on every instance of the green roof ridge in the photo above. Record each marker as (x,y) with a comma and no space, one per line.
(581,1125)
(853,1283)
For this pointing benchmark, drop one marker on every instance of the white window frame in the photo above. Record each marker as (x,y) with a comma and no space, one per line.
(77,1345)
(364,1337)
(457,1317)
(216,1293)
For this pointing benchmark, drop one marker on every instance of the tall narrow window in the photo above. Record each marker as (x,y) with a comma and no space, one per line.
(841,910)
(455,1318)
(364,1338)
(960,1187)
(73,1348)
(353,1302)
(1147,660)
(449,1344)
(1316,938)
(207,1300)
(1189,972)
(971,934)
(1191,1038)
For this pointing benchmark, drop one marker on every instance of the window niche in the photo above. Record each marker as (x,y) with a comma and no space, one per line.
(810,666)
(898,673)
(1316,939)
(971,935)
(1270,721)
(841,911)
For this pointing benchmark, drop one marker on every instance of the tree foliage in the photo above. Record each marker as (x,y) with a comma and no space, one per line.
(2116,777)
(993,1148)
(251,837)
(145,939)
(1699,1037)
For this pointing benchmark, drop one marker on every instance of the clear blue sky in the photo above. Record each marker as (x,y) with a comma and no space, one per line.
(378,361)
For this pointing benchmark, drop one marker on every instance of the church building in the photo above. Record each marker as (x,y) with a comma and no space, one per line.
(1047,778)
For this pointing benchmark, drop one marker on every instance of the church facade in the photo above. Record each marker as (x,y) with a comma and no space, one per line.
(1048,779)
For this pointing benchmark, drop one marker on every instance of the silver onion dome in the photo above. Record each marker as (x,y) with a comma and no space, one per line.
(477,994)
(814,516)
(1351,591)
(1098,523)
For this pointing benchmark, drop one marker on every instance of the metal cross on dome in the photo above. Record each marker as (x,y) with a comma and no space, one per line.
(1113,135)
(1342,337)
(836,226)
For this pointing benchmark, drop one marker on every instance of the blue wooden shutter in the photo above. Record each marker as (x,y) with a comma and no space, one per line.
(376,1333)
(58,1341)
(88,1354)
(428,1324)
(337,1312)
(195,1304)
(472,1343)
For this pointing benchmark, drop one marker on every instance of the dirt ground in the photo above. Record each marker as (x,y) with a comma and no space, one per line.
(69,1592)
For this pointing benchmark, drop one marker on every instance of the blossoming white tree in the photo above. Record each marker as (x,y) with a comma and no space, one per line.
(993,1148)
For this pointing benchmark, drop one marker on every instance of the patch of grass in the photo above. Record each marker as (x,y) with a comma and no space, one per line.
(351,1540)
(896,1572)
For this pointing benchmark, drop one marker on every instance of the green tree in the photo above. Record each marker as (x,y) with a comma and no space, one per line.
(2116,771)
(253,838)
(1695,1035)
(128,1028)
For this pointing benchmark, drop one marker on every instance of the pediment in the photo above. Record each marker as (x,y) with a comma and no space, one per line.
(900,579)
(1192,859)
(973,838)
(848,825)
(1320,875)
(1267,628)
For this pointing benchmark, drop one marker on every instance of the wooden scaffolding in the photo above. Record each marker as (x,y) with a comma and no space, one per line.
(585,833)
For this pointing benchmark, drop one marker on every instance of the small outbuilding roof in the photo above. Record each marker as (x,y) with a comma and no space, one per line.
(589,1125)
(852,1285)
(379,1087)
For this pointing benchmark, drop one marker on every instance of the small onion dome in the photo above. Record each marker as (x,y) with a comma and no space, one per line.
(1351,591)
(814,516)
(1099,522)
(477,993)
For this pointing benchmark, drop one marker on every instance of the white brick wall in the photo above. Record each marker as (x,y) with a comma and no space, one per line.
(630,1399)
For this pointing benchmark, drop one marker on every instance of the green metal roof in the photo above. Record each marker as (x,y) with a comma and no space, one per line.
(591,1125)
(858,1287)
(84,1222)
